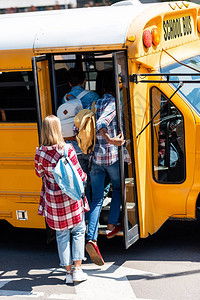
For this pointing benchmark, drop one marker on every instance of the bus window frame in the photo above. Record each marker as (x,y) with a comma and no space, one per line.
(16,84)
(152,139)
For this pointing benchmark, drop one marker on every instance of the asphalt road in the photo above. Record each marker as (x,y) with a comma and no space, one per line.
(163,266)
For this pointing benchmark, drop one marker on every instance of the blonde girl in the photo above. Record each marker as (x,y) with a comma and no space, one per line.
(62,214)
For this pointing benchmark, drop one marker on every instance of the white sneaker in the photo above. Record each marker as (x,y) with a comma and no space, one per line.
(79,275)
(69,278)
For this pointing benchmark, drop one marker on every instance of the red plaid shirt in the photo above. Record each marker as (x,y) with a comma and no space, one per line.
(60,211)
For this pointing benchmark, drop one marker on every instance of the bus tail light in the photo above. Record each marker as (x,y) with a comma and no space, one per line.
(155,36)
(198,25)
(147,38)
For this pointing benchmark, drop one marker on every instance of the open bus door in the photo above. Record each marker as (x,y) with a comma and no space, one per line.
(127,172)
(44,79)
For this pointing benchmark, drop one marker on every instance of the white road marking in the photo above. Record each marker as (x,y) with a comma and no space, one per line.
(21,294)
(10,273)
(62,296)
(45,271)
(108,281)
(3,282)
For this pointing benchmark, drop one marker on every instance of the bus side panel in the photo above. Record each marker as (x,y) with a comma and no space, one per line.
(194,193)
(16,59)
(19,185)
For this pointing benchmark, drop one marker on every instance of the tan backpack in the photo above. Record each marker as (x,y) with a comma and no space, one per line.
(86,123)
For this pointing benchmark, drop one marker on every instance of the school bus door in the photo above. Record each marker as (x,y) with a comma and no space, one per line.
(127,172)
(44,78)
(42,70)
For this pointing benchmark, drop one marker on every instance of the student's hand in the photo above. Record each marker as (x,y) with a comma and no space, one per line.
(118,140)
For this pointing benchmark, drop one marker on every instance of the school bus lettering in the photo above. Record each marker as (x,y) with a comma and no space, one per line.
(172,29)
(176,28)
(187,26)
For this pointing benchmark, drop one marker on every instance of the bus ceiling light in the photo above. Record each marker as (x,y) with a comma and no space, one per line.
(155,36)
(198,25)
(147,38)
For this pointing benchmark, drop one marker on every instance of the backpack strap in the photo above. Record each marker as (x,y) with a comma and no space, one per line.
(67,97)
(82,94)
(79,97)
(93,108)
(66,149)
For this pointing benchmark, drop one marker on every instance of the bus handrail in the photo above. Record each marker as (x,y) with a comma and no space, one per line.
(134,78)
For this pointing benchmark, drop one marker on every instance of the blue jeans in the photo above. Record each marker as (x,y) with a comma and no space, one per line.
(97,177)
(78,244)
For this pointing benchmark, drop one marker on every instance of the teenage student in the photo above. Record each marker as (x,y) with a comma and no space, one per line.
(105,162)
(64,215)
(77,82)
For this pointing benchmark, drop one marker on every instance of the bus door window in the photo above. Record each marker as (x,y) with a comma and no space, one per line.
(167,140)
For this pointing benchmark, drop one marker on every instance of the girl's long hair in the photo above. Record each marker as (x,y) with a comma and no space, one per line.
(51,131)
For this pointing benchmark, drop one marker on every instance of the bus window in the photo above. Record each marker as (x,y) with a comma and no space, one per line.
(62,83)
(190,91)
(92,64)
(90,71)
(17,99)
(167,140)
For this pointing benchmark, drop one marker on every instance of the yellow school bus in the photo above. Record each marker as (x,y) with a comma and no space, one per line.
(154,50)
